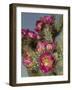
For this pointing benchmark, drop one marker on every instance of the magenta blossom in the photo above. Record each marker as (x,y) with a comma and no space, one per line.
(46,61)
(33,35)
(50,46)
(39,25)
(44,20)
(24,32)
(47,20)
(27,62)
(38,36)
(42,45)
(30,34)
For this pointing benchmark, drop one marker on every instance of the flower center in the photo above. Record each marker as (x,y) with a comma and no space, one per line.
(46,61)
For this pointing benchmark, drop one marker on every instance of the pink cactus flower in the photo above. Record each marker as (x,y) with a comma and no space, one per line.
(47,20)
(39,25)
(46,61)
(24,32)
(40,46)
(50,46)
(33,35)
(44,20)
(38,36)
(27,61)
(30,34)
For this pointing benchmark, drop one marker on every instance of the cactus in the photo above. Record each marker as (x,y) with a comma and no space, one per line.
(42,50)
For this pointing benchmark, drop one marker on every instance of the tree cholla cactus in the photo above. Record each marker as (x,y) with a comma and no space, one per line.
(41,51)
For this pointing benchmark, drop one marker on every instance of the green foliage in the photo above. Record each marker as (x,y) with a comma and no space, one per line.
(46,33)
